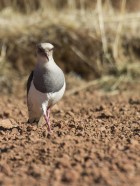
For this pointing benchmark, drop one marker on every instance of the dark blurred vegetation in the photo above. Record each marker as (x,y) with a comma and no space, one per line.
(33,5)
(92,38)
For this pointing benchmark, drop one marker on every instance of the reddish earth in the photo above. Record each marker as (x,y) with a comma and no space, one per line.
(95,141)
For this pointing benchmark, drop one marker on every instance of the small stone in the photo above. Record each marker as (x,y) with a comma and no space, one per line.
(134,142)
(14,131)
(70,176)
(7,123)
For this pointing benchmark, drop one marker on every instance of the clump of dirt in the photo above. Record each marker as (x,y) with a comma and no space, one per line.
(95,141)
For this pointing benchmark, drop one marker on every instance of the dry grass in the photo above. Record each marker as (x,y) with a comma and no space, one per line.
(92,38)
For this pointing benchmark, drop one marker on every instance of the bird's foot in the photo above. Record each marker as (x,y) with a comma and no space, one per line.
(31,121)
(50,130)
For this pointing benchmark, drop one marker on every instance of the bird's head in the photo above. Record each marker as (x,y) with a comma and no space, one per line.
(45,50)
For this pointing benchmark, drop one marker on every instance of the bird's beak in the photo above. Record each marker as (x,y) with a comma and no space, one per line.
(43,52)
(46,55)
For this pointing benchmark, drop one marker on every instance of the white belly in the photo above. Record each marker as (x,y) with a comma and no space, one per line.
(39,102)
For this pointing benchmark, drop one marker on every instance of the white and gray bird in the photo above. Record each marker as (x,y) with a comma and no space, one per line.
(45,85)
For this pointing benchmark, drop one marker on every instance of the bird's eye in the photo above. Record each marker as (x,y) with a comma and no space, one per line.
(40,50)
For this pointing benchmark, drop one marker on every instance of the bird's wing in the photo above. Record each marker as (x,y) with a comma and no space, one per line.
(29,82)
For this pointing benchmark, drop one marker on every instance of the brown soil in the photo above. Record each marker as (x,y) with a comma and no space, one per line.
(95,141)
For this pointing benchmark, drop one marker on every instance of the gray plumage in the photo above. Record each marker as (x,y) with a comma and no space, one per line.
(49,78)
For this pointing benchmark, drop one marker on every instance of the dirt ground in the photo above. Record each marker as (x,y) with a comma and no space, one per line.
(95,141)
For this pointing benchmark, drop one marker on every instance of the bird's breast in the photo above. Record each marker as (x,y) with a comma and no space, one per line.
(48,81)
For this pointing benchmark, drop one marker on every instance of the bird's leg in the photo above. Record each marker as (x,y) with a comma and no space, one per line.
(47,118)
(48,114)
(47,121)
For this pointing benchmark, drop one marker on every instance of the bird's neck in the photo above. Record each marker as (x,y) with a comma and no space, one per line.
(44,62)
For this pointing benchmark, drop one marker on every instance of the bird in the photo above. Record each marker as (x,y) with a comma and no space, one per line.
(45,85)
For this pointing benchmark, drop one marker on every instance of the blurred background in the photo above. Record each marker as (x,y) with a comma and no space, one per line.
(95,40)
